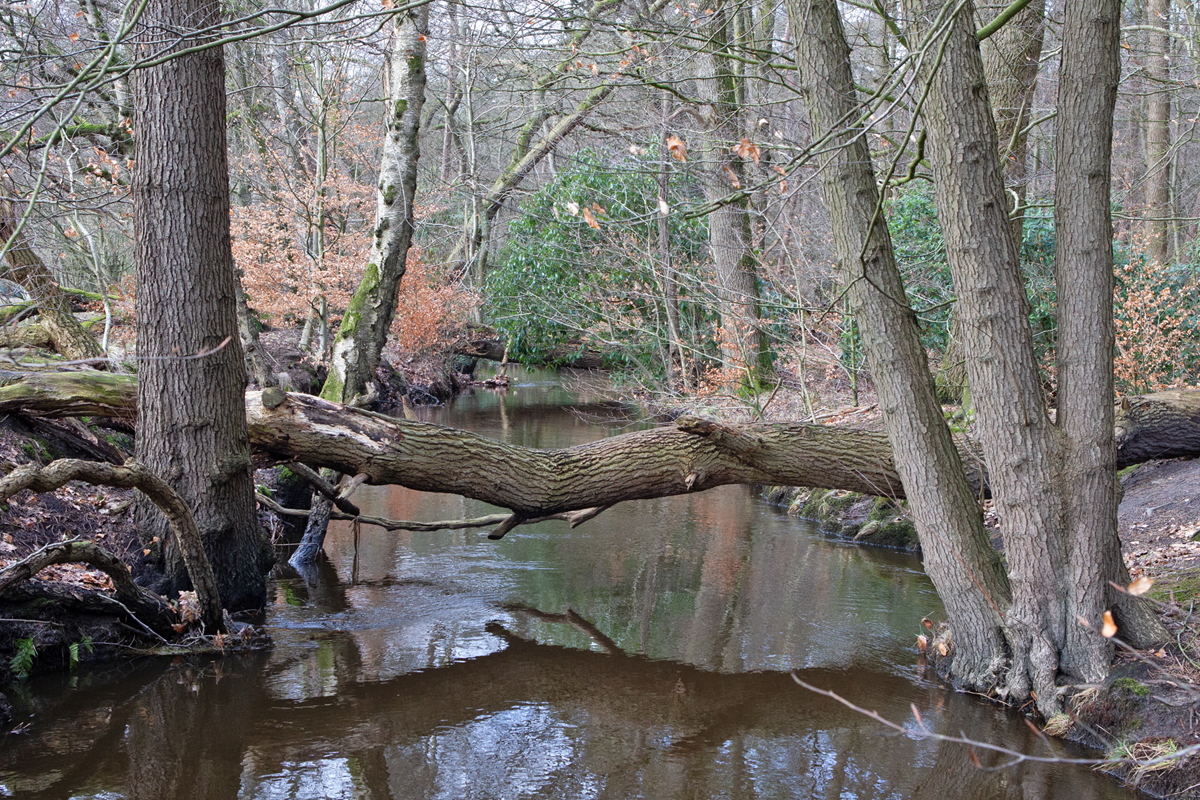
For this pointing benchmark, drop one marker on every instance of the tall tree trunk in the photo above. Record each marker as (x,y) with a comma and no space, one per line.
(363,333)
(1159,209)
(1024,451)
(1011,59)
(959,556)
(677,371)
(741,340)
(364,329)
(1088,78)
(191,425)
(26,268)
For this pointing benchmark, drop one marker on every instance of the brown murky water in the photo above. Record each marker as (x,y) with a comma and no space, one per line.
(644,654)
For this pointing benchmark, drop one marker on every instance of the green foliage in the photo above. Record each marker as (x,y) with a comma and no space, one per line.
(1131,686)
(921,256)
(84,644)
(21,663)
(579,265)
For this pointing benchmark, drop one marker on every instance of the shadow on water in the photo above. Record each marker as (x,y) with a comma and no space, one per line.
(644,654)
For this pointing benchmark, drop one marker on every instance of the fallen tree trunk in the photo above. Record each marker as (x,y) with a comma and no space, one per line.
(482,342)
(687,456)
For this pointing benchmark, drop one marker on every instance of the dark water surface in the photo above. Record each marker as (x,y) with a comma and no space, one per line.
(644,654)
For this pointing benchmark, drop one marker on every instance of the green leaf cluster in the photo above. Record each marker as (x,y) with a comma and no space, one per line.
(560,281)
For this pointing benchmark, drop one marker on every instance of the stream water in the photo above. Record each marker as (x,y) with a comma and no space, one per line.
(644,654)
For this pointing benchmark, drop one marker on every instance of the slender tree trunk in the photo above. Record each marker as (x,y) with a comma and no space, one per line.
(359,343)
(1090,72)
(1025,452)
(677,370)
(1159,208)
(959,556)
(1011,59)
(729,232)
(191,425)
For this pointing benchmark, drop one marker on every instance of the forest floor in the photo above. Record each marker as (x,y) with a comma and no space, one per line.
(1152,701)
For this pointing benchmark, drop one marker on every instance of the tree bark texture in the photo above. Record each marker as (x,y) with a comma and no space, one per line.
(741,340)
(1159,208)
(364,328)
(25,267)
(1024,451)
(390,450)
(1088,79)
(191,426)
(959,555)
(1011,60)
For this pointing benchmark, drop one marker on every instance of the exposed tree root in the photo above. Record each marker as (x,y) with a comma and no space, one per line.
(130,476)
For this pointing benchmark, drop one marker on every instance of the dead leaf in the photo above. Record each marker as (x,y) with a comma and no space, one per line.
(1110,627)
(746,149)
(928,623)
(573,208)
(733,178)
(677,148)
(599,209)
(922,643)
(942,649)
(590,218)
(663,208)
(1140,586)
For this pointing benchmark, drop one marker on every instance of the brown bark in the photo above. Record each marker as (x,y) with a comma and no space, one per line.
(1088,79)
(191,425)
(147,607)
(959,556)
(1024,451)
(27,335)
(1011,59)
(392,450)
(741,340)
(185,535)
(26,268)
(1159,177)
(482,342)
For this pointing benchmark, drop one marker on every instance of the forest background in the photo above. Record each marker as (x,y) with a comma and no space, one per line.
(572,158)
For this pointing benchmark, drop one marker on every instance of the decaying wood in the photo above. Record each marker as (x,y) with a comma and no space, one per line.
(1159,425)
(690,455)
(483,342)
(129,476)
(143,605)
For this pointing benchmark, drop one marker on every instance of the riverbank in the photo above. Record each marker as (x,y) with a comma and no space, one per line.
(1146,705)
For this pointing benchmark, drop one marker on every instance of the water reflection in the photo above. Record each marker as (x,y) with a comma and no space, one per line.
(644,654)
